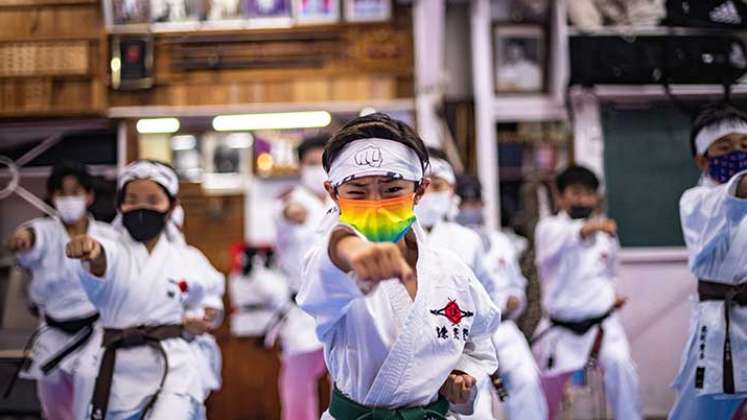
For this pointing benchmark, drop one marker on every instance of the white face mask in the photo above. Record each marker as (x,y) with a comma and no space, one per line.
(313,177)
(433,207)
(71,208)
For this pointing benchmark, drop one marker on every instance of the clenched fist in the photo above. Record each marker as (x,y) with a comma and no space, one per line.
(295,213)
(22,240)
(380,261)
(601,224)
(458,387)
(84,248)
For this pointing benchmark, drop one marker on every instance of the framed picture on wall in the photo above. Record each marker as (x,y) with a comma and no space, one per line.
(131,62)
(126,12)
(270,13)
(175,14)
(223,11)
(368,10)
(520,58)
(316,11)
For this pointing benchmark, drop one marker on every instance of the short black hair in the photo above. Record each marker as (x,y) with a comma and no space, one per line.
(376,125)
(714,114)
(437,154)
(468,187)
(317,141)
(66,168)
(576,175)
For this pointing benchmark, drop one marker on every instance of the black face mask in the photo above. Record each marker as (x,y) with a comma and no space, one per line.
(144,224)
(580,212)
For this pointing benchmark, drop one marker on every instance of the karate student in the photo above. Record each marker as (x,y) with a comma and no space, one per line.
(297,225)
(68,318)
(712,381)
(141,283)
(406,327)
(498,270)
(577,258)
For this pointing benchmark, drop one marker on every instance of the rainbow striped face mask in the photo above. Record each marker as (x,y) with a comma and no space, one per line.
(384,220)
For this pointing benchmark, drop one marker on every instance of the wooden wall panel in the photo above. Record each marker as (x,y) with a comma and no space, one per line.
(63,22)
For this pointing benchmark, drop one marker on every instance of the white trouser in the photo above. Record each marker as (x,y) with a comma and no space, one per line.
(689,406)
(56,392)
(526,400)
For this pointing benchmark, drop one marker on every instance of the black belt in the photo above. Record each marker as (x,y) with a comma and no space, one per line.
(70,327)
(73,326)
(730,295)
(580,327)
(115,339)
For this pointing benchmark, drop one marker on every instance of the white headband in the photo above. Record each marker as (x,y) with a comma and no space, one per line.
(375,157)
(709,134)
(156,172)
(442,169)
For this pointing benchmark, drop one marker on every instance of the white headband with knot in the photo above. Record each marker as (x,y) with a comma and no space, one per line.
(154,171)
(709,134)
(375,157)
(441,169)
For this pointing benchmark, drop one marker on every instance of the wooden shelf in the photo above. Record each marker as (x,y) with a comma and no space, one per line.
(405,105)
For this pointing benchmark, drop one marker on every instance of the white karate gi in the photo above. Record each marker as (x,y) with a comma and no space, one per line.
(498,271)
(302,350)
(209,359)
(56,291)
(715,231)
(139,288)
(577,277)
(385,350)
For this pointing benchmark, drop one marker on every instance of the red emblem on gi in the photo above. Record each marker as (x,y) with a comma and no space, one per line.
(452,312)
(183,286)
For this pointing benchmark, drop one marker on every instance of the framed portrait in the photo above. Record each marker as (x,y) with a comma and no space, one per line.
(316,11)
(520,59)
(118,13)
(268,13)
(522,11)
(222,12)
(131,62)
(175,14)
(368,10)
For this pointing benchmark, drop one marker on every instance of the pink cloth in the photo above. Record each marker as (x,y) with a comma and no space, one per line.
(553,387)
(56,394)
(299,376)
(741,413)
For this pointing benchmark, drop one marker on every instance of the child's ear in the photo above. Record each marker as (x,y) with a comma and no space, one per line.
(702,162)
(331,191)
(421,187)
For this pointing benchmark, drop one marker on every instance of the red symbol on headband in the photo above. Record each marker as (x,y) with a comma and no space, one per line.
(452,312)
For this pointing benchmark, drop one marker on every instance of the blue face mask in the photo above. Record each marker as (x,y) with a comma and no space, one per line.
(469,217)
(722,168)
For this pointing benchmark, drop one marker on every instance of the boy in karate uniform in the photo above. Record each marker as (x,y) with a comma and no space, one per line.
(712,381)
(303,210)
(577,258)
(141,283)
(406,327)
(498,271)
(67,316)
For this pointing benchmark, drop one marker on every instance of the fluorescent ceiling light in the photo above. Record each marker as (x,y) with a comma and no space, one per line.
(272,121)
(157,125)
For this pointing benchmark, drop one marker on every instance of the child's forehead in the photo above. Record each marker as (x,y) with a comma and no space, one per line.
(579,187)
(374,180)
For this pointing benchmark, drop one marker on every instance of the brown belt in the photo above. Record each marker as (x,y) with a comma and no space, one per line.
(730,294)
(115,339)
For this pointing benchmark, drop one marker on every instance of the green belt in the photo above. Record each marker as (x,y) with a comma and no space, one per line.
(343,408)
